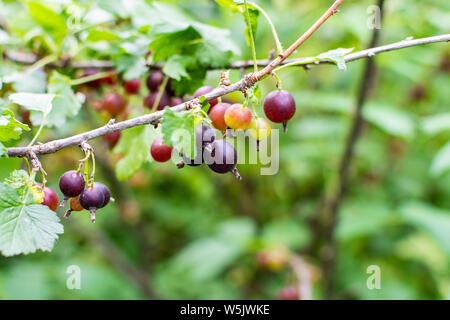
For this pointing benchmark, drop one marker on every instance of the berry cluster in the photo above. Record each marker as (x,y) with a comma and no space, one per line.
(91,197)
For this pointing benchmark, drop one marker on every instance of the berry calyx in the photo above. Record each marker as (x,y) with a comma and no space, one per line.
(91,199)
(204,90)
(163,102)
(71,184)
(75,205)
(238,117)
(159,151)
(222,157)
(114,103)
(217,115)
(112,139)
(279,107)
(132,86)
(259,129)
(50,198)
(154,80)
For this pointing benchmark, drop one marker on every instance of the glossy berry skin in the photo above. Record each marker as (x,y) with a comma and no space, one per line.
(238,117)
(163,102)
(106,193)
(132,86)
(175,101)
(217,115)
(91,199)
(75,204)
(204,90)
(159,151)
(259,129)
(50,198)
(112,139)
(154,80)
(71,183)
(114,103)
(204,135)
(223,157)
(279,106)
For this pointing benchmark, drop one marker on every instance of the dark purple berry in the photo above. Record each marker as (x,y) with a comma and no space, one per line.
(154,80)
(204,134)
(159,151)
(71,184)
(222,157)
(106,193)
(91,199)
(279,107)
(163,102)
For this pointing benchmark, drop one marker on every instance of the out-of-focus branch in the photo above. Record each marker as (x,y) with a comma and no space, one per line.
(303,274)
(332,202)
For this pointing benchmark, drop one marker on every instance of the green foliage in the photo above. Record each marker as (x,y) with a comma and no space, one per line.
(178,131)
(10,128)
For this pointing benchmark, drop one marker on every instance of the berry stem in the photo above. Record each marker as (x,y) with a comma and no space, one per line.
(28,164)
(39,131)
(160,93)
(92,77)
(93,169)
(272,26)
(275,75)
(252,40)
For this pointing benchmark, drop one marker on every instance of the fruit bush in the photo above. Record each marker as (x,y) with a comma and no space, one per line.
(93,94)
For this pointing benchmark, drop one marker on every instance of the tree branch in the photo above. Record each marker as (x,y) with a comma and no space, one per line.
(331,204)
(153,118)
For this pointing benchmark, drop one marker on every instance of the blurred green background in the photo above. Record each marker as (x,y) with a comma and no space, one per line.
(192,234)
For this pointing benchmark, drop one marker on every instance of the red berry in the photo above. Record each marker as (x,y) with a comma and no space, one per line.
(112,138)
(132,86)
(154,80)
(50,198)
(279,106)
(217,115)
(175,101)
(238,117)
(159,151)
(204,90)
(110,80)
(163,102)
(114,103)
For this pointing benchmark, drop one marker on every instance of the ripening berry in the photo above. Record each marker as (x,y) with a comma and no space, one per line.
(110,80)
(71,184)
(132,86)
(259,129)
(279,107)
(112,139)
(114,103)
(238,117)
(204,90)
(91,199)
(154,80)
(75,205)
(159,151)
(163,102)
(98,105)
(50,198)
(217,115)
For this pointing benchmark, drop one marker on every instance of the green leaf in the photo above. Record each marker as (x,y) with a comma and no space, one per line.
(435,221)
(436,123)
(24,225)
(286,232)
(97,34)
(392,121)
(441,161)
(66,103)
(176,67)
(34,101)
(336,55)
(227,3)
(135,145)
(252,23)
(33,82)
(3,151)
(178,131)
(49,20)
(10,128)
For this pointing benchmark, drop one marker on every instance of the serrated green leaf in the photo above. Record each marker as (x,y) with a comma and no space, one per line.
(176,66)
(337,56)
(178,131)
(33,82)
(34,101)
(66,103)
(24,226)
(10,128)
(135,145)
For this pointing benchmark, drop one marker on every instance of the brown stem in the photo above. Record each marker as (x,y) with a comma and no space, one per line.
(332,203)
